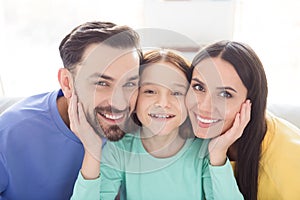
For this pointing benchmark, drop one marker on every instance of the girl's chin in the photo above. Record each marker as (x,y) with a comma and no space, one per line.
(205,134)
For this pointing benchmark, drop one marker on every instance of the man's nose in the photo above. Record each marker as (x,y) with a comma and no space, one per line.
(119,100)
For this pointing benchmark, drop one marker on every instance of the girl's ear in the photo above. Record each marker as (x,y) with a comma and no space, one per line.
(66,82)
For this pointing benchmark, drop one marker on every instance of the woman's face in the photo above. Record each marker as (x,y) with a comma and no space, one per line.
(215,97)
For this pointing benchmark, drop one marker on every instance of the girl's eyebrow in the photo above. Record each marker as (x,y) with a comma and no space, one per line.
(180,85)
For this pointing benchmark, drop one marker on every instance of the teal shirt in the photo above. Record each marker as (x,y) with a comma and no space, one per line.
(186,175)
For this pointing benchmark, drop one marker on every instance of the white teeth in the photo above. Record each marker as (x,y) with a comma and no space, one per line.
(113,117)
(164,116)
(206,121)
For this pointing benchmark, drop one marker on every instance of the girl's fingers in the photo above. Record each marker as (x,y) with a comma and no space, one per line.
(81,115)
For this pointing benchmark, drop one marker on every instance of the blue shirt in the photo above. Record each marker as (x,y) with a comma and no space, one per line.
(39,155)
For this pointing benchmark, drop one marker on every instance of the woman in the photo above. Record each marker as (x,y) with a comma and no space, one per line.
(266,157)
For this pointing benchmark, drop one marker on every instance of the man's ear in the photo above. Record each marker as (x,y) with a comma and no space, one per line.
(66,82)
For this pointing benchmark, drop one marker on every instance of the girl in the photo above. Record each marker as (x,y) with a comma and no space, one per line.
(159,160)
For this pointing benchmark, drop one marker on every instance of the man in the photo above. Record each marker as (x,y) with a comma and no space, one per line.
(40,156)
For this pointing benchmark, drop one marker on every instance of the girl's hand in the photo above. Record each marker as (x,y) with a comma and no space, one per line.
(219,145)
(80,126)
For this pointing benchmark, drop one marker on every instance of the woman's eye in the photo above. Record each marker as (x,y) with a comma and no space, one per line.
(198,87)
(225,94)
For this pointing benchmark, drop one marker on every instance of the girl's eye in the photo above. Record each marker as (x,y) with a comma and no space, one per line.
(102,83)
(198,87)
(149,92)
(178,93)
(225,94)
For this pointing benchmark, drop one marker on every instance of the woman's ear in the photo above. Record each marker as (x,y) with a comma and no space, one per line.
(66,82)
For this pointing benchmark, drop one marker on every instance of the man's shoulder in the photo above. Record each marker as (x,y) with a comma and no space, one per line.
(26,110)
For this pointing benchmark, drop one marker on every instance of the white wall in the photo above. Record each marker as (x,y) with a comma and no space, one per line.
(203,21)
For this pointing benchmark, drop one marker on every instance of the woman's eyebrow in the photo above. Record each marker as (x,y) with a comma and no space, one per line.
(197,80)
(227,88)
(220,88)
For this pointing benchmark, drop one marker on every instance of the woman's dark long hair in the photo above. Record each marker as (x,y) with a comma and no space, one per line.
(251,72)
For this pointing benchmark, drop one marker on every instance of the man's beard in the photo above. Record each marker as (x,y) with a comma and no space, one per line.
(111,132)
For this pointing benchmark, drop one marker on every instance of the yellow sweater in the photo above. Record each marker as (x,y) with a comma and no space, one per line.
(279,170)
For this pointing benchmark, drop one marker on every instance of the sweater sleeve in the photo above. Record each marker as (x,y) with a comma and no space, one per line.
(108,184)
(86,189)
(3,175)
(112,174)
(224,185)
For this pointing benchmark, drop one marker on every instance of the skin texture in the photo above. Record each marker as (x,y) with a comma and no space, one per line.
(217,106)
(161,108)
(100,98)
(162,92)
(215,97)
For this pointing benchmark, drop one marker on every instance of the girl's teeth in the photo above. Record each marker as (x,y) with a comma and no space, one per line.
(160,116)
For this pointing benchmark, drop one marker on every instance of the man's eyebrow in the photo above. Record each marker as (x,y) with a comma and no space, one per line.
(103,76)
(99,75)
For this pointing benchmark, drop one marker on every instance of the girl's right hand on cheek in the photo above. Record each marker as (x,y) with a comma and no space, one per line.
(80,126)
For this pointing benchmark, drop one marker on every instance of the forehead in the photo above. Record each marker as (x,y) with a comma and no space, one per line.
(113,62)
(164,74)
(217,72)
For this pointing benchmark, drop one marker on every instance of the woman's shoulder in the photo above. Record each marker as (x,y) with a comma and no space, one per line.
(279,162)
(281,137)
(281,129)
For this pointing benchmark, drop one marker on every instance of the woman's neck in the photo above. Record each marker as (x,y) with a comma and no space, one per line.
(163,145)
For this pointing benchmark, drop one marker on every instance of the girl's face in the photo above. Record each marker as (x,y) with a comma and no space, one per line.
(161,101)
(215,97)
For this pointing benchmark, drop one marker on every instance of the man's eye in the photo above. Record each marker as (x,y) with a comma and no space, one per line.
(198,87)
(225,94)
(102,83)
(130,84)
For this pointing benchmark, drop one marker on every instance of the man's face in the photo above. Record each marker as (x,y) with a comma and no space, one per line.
(106,83)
